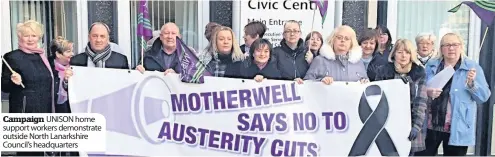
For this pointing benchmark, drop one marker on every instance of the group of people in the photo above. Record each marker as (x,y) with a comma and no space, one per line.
(38,82)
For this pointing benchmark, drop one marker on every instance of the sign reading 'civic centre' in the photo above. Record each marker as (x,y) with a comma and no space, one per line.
(274,14)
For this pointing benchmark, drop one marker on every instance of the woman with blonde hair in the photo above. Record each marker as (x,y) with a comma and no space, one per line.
(339,59)
(30,81)
(404,64)
(452,111)
(426,50)
(222,52)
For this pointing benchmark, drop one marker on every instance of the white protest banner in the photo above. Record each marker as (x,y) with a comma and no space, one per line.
(274,14)
(155,115)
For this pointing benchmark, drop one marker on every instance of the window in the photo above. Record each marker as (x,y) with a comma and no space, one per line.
(182,13)
(415,17)
(57,18)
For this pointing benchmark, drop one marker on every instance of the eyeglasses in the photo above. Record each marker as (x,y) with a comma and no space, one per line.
(421,44)
(292,31)
(340,37)
(454,45)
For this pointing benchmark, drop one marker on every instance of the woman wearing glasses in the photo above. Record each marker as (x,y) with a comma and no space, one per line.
(339,59)
(292,57)
(452,111)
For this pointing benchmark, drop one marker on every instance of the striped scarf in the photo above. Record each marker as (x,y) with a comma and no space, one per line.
(99,59)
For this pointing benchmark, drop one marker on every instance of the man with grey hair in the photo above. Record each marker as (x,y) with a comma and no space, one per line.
(162,55)
(426,47)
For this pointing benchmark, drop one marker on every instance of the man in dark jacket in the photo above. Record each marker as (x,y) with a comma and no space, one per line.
(98,52)
(162,55)
(292,56)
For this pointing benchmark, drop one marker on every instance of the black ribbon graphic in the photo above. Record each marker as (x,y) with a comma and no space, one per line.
(374,122)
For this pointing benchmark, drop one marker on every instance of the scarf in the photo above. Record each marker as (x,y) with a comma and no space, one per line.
(343,59)
(41,52)
(402,69)
(99,59)
(366,61)
(62,94)
(424,60)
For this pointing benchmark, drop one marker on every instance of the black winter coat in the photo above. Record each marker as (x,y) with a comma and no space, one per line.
(153,61)
(291,63)
(116,61)
(248,70)
(37,96)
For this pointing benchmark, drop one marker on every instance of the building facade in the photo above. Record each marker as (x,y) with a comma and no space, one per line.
(405,19)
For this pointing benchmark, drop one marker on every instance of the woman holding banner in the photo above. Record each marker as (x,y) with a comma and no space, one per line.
(452,117)
(222,52)
(259,65)
(339,59)
(404,64)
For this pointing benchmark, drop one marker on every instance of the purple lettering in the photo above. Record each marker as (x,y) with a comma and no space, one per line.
(328,124)
(165,131)
(231,99)
(243,120)
(179,104)
(310,121)
(313,149)
(213,139)
(261,97)
(282,124)
(257,124)
(194,102)
(340,121)
(226,141)
(245,144)
(275,151)
(258,143)
(268,118)
(206,100)
(191,135)
(218,100)
(295,97)
(244,98)
(276,93)
(202,136)
(284,93)
(237,144)
(298,121)
(178,135)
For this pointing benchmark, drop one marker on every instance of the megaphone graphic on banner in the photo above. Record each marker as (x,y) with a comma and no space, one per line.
(134,110)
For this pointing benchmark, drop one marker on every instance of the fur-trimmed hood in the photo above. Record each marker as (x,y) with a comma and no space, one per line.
(355,53)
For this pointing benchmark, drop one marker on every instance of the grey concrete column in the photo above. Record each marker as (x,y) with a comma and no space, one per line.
(355,14)
(221,12)
(106,12)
